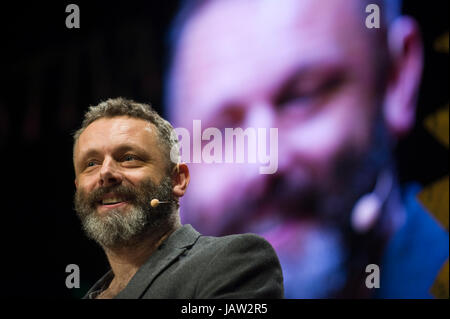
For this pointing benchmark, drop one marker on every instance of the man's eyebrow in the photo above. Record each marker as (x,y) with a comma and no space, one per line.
(89,153)
(315,71)
(121,148)
(321,68)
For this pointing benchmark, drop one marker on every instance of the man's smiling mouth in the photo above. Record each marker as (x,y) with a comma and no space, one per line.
(111,201)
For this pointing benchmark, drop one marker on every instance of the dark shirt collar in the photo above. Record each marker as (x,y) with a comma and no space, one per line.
(184,237)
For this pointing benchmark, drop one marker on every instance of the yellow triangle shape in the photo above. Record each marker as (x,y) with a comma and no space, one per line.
(437,125)
(440,285)
(441,43)
(435,198)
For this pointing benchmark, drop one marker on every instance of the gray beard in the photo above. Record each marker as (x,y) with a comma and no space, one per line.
(124,228)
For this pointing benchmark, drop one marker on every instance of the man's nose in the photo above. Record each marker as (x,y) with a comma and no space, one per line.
(110,173)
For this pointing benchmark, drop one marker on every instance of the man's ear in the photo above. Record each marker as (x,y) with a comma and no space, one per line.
(181,179)
(406,57)
(76,183)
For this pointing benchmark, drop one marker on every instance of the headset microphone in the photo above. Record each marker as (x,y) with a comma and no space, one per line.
(368,208)
(155,202)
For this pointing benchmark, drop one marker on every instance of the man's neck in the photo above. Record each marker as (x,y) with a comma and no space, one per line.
(126,261)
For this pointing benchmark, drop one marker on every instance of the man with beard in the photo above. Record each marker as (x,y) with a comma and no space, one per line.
(341,95)
(122,165)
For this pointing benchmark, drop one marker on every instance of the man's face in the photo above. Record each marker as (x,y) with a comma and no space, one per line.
(301,66)
(119,169)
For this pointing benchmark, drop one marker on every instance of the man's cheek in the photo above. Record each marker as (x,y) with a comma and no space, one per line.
(86,184)
(213,178)
(314,142)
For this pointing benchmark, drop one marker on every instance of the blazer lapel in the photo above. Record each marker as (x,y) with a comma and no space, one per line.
(164,256)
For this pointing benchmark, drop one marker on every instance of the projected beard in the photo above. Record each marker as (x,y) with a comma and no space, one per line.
(333,257)
(124,227)
(327,260)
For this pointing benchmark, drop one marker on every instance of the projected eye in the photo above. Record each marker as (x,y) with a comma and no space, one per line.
(309,91)
(229,116)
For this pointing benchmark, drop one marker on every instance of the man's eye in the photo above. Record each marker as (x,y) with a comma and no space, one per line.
(311,94)
(90,164)
(298,98)
(129,158)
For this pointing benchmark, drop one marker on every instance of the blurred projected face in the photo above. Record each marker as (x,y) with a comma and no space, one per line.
(303,67)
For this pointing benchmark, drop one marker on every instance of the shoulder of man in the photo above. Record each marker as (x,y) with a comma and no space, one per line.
(247,243)
(237,266)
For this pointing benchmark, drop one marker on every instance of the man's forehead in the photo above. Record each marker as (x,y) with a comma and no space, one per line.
(116,129)
(120,124)
(227,26)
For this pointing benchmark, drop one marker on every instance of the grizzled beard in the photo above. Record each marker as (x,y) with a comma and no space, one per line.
(126,227)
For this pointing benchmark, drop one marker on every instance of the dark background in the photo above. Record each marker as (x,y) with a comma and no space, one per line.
(51,74)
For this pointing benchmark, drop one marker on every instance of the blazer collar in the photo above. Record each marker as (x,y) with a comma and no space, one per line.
(183,238)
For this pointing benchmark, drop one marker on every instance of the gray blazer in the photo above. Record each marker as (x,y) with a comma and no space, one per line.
(188,265)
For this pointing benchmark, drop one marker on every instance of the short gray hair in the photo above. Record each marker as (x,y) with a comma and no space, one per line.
(125,107)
